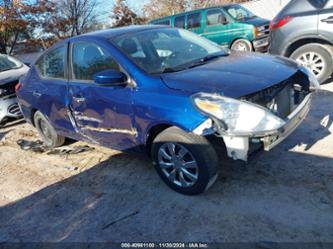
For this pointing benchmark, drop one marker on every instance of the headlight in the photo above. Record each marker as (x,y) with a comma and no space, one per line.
(238,117)
(313,80)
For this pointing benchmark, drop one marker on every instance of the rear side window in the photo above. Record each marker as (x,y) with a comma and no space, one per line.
(194,20)
(52,64)
(89,59)
(164,22)
(215,17)
(180,22)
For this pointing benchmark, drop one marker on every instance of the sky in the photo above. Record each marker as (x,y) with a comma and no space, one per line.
(105,7)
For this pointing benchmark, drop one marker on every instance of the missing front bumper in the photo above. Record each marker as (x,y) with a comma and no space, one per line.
(238,148)
(294,120)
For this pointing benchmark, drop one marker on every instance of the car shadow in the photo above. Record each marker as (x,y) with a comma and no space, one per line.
(318,124)
(282,195)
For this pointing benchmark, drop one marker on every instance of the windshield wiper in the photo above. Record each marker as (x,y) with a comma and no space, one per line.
(173,69)
(207,58)
(5,69)
(196,63)
(214,56)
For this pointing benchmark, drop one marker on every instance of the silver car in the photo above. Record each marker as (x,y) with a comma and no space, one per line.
(303,31)
(10,72)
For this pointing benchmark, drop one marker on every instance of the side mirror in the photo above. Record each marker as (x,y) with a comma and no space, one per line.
(110,77)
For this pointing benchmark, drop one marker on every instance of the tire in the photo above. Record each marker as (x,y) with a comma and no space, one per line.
(45,130)
(242,45)
(314,55)
(200,159)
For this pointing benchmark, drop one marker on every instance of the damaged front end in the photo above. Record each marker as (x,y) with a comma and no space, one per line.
(9,108)
(260,120)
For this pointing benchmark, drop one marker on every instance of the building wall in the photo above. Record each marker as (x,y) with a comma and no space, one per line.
(266,8)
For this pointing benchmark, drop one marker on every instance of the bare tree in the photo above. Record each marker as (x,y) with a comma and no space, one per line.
(197,4)
(79,15)
(124,16)
(156,8)
(19,19)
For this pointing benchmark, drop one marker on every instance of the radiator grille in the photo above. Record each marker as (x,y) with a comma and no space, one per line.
(282,99)
(14,109)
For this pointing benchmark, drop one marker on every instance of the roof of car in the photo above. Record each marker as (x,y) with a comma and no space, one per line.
(193,11)
(113,32)
(109,33)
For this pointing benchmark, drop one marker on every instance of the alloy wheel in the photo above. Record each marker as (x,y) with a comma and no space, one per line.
(241,47)
(178,164)
(314,61)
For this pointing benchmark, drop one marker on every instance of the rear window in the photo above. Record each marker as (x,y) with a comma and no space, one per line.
(180,22)
(52,64)
(8,63)
(194,20)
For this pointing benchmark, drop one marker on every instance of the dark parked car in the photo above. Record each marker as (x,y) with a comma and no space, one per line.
(303,31)
(167,92)
(10,72)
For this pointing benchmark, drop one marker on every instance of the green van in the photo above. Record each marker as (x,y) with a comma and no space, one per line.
(231,26)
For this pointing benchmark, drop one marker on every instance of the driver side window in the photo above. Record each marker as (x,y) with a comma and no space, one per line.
(89,59)
(215,17)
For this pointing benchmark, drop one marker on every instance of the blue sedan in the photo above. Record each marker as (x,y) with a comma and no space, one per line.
(166,92)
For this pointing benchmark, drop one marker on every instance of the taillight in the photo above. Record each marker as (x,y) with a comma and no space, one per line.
(276,24)
(17,86)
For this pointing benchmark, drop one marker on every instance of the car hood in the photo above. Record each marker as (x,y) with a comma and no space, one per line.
(12,75)
(236,75)
(256,21)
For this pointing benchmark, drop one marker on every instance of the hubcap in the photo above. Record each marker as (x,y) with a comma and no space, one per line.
(241,46)
(178,164)
(313,61)
(45,130)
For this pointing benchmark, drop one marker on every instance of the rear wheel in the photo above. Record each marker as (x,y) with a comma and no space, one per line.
(316,57)
(242,45)
(45,130)
(187,163)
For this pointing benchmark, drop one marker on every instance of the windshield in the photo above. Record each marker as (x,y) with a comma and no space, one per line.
(239,13)
(8,63)
(167,49)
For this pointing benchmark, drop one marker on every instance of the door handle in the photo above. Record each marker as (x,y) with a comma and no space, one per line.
(328,20)
(79,99)
(36,94)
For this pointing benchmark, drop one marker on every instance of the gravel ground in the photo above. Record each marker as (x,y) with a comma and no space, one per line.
(285,195)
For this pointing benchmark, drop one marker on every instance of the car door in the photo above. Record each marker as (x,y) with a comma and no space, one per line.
(48,88)
(325,24)
(103,114)
(217,28)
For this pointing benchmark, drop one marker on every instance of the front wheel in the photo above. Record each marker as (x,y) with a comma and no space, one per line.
(242,45)
(186,162)
(45,130)
(316,57)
